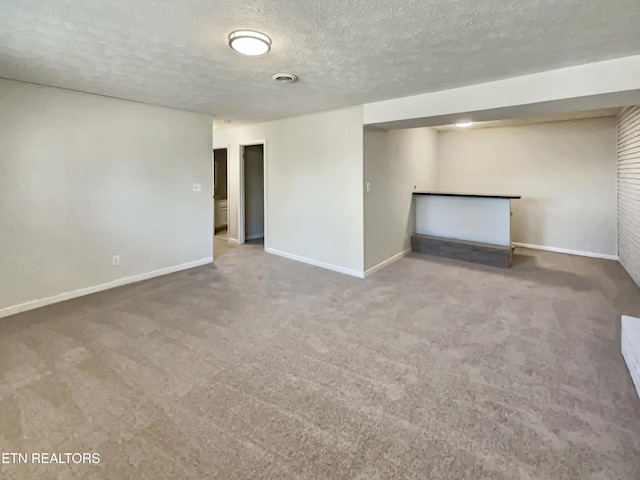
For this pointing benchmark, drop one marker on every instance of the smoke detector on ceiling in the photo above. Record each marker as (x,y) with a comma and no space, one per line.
(285,77)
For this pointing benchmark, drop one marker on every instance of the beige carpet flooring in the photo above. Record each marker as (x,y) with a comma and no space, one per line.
(221,246)
(264,368)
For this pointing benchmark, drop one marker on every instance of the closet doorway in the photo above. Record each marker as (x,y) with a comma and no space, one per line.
(252,208)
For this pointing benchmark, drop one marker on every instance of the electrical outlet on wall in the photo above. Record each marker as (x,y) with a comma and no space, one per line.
(115,261)
(368,186)
(197,187)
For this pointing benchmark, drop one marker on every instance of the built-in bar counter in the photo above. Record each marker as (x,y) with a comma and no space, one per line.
(465,226)
(473,195)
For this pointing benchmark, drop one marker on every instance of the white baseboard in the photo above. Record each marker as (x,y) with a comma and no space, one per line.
(42,302)
(388,261)
(233,240)
(564,250)
(317,263)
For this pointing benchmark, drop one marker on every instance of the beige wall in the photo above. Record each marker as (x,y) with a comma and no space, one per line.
(84,177)
(565,172)
(395,163)
(314,207)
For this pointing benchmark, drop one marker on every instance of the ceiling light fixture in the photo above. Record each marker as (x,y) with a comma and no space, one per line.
(464,124)
(249,42)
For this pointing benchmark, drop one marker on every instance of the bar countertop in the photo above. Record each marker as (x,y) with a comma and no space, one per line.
(478,195)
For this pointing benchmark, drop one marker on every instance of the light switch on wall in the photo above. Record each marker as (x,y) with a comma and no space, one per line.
(197,187)
(368,186)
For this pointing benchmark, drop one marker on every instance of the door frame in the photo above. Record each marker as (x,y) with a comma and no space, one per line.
(241,196)
(213,182)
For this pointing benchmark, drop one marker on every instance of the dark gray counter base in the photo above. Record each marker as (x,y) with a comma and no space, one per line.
(475,252)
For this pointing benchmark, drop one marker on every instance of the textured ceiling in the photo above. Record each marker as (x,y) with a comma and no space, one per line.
(346,52)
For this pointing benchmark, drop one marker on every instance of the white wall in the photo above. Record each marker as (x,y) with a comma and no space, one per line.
(629,191)
(314,207)
(395,163)
(565,172)
(254,192)
(84,177)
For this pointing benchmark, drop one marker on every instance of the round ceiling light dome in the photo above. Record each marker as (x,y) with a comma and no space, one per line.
(249,42)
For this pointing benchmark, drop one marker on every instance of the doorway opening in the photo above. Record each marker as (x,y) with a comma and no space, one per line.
(220,199)
(251,221)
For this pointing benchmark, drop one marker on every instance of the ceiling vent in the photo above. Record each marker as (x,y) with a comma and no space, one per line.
(285,77)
